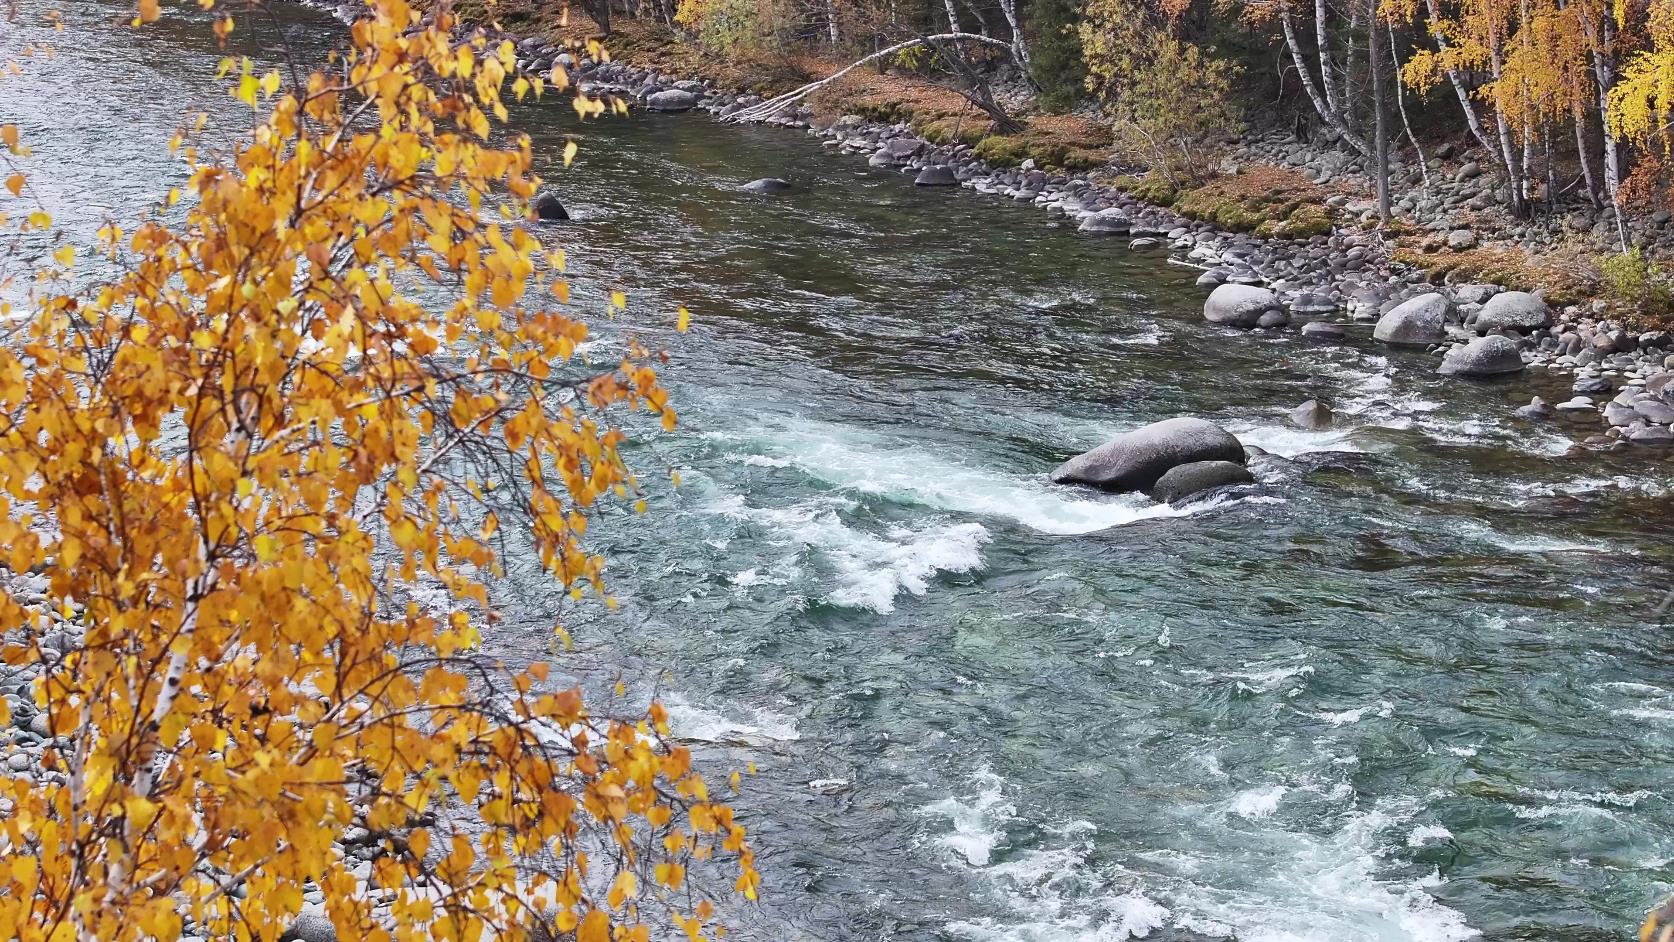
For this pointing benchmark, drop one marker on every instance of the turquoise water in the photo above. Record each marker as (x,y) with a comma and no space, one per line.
(1420,694)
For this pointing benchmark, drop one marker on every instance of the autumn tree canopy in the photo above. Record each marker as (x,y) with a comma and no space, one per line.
(249,464)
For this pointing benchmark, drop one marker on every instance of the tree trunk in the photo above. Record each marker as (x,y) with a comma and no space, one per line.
(1322,103)
(1458,81)
(1579,119)
(1380,111)
(952,17)
(1401,105)
(1019,45)
(1600,37)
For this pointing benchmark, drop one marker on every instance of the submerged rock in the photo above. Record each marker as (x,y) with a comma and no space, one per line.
(1106,222)
(1536,409)
(1239,305)
(1137,460)
(1313,415)
(767,185)
(1184,480)
(1513,310)
(673,99)
(548,209)
(1416,323)
(939,175)
(1486,356)
(1324,331)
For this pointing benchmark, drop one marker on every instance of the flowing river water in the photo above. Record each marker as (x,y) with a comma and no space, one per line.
(1422,694)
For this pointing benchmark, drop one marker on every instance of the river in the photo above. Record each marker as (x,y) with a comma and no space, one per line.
(1420,696)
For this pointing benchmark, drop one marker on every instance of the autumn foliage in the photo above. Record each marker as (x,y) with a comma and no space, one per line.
(265,467)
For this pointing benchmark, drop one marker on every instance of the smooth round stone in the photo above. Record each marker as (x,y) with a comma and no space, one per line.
(17,762)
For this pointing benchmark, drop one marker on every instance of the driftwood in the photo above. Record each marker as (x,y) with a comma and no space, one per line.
(773,106)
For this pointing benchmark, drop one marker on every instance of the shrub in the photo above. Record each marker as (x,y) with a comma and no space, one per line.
(1631,277)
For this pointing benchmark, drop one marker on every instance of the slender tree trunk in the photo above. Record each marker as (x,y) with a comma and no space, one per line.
(1579,119)
(1322,38)
(831,22)
(975,10)
(1351,58)
(1380,111)
(1322,102)
(1457,80)
(1019,45)
(1401,105)
(1601,37)
(952,17)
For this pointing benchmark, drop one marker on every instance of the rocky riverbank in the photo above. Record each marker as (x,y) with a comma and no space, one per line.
(1336,277)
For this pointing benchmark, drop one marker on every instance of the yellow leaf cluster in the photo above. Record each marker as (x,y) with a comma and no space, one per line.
(244,461)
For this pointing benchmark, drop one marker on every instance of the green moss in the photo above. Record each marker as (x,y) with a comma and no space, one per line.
(1002,151)
(1153,188)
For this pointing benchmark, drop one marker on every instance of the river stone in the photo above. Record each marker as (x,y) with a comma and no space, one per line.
(1653,409)
(1239,305)
(310,926)
(1418,322)
(549,209)
(1592,384)
(1312,414)
(1652,435)
(1136,460)
(1274,319)
(673,99)
(1323,331)
(1106,222)
(1212,278)
(1536,409)
(939,175)
(1513,310)
(767,185)
(1485,356)
(1185,480)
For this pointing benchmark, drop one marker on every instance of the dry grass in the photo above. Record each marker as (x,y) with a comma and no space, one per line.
(1567,273)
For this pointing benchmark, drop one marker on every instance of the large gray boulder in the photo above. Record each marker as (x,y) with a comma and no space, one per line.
(548,208)
(1106,222)
(673,99)
(1184,480)
(1418,322)
(1239,305)
(1513,310)
(1486,356)
(1313,415)
(310,925)
(1135,461)
(767,185)
(938,175)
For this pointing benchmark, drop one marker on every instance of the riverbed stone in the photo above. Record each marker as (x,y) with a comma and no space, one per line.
(1536,409)
(671,100)
(1106,222)
(1239,305)
(767,185)
(1324,331)
(1313,415)
(1513,310)
(1486,356)
(936,175)
(1138,459)
(310,925)
(1418,322)
(548,208)
(1182,481)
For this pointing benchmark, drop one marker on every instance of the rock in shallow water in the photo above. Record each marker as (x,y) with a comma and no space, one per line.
(1486,356)
(1513,310)
(1313,414)
(939,175)
(1182,481)
(1239,305)
(1324,332)
(673,99)
(548,209)
(1137,460)
(1416,323)
(767,185)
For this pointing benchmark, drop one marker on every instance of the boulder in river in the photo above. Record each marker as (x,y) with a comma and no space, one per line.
(1136,460)
(310,925)
(1513,310)
(548,209)
(937,175)
(1485,356)
(1106,222)
(1313,415)
(1239,305)
(1184,480)
(673,99)
(767,185)
(1418,322)
(1324,331)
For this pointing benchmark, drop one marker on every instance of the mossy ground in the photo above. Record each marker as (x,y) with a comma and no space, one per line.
(1268,201)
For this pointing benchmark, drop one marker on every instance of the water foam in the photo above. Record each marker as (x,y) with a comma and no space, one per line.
(698,724)
(913,475)
(871,570)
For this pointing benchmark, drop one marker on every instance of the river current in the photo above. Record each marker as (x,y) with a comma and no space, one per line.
(1421,695)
